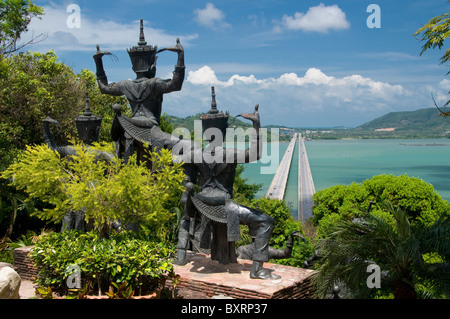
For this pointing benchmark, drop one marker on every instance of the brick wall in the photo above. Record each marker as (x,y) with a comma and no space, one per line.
(23,264)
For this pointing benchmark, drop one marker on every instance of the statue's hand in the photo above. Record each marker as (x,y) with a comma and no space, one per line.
(99,54)
(117,108)
(251,116)
(178,48)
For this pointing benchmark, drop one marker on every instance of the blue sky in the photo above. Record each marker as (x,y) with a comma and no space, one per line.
(307,63)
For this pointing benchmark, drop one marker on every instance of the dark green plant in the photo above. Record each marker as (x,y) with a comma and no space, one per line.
(7,246)
(418,199)
(123,257)
(401,250)
(122,291)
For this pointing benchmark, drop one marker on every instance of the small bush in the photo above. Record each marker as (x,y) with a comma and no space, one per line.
(418,199)
(123,257)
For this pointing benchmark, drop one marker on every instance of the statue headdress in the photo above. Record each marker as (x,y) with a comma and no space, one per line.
(215,118)
(142,56)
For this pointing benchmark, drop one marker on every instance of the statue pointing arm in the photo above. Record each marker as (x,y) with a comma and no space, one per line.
(102,80)
(176,82)
(254,152)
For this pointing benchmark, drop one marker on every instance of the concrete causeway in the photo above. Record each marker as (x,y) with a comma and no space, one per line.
(278,186)
(305,183)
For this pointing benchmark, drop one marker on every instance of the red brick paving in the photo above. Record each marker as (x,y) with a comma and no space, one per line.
(203,278)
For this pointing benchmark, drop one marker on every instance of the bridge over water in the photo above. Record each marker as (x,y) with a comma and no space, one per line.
(305,183)
(278,186)
(306,187)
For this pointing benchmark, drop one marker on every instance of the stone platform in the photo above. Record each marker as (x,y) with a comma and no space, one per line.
(206,278)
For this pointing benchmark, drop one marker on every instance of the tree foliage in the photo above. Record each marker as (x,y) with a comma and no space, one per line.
(417,198)
(37,85)
(104,190)
(15,15)
(434,33)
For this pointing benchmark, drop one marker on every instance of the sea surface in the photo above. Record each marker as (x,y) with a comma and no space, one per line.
(345,161)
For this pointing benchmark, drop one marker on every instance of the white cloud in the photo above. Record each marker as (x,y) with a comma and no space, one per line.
(211,17)
(206,76)
(354,85)
(320,18)
(312,76)
(109,35)
(310,99)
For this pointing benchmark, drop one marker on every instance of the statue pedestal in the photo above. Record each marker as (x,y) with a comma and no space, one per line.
(203,278)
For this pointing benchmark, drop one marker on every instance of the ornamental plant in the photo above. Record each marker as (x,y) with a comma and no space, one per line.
(412,260)
(418,199)
(103,263)
(105,190)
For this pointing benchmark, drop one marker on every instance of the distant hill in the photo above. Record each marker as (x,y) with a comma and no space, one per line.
(188,122)
(423,121)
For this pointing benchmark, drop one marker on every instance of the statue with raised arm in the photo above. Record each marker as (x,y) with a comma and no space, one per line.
(145,96)
(213,169)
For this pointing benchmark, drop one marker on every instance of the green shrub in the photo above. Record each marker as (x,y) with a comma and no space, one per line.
(417,198)
(105,191)
(123,257)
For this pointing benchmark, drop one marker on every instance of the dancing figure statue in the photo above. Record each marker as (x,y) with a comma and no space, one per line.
(145,96)
(213,169)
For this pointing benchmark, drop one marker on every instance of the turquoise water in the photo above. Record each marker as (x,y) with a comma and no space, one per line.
(346,161)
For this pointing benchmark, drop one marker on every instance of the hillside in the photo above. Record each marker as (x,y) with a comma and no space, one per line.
(420,122)
(423,123)
(188,122)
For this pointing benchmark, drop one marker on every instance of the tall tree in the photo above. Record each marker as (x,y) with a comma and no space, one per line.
(434,33)
(15,16)
(37,85)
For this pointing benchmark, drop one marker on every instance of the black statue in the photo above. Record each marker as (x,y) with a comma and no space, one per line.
(145,96)
(73,219)
(69,150)
(246,251)
(213,170)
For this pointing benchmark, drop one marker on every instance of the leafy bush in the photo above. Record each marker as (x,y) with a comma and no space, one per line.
(417,198)
(413,260)
(33,86)
(123,257)
(105,191)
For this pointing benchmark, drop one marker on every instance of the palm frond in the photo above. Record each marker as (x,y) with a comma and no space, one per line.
(396,248)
